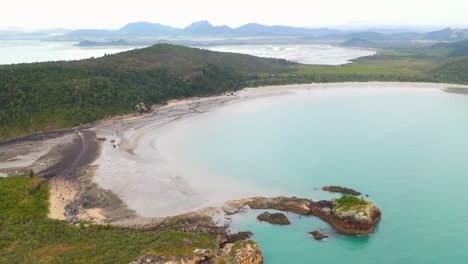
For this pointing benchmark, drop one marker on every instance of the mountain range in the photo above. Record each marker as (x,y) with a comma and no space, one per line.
(204,28)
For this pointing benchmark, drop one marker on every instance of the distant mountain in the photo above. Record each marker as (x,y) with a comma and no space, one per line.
(358,42)
(204,28)
(146,29)
(254,29)
(447,34)
(368,35)
(200,28)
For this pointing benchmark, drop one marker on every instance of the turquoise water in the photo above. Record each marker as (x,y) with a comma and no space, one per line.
(407,150)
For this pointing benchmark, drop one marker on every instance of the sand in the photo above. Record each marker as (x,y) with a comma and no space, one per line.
(61,193)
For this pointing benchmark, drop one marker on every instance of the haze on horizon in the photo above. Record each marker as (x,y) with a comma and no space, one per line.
(48,14)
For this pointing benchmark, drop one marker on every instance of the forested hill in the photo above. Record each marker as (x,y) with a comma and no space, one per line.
(452,72)
(43,96)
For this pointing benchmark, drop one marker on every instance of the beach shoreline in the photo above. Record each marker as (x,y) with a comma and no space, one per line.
(132,138)
(117,162)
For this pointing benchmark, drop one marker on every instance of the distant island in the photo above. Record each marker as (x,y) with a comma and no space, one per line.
(120,42)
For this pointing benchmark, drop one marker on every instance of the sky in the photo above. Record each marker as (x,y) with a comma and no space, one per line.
(109,14)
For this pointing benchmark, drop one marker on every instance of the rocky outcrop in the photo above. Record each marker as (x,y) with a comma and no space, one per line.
(141,108)
(276,218)
(346,215)
(287,204)
(233,238)
(243,252)
(338,189)
(318,235)
(194,259)
(249,253)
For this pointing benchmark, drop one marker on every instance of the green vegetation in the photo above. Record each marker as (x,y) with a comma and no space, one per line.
(348,202)
(455,71)
(44,96)
(28,236)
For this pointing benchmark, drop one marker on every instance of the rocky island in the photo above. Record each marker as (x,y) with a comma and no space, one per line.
(348,215)
(276,218)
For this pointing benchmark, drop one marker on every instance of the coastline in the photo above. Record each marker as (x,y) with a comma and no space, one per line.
(132,137)
(127,132)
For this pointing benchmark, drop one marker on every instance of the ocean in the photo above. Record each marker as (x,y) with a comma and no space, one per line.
(405,147)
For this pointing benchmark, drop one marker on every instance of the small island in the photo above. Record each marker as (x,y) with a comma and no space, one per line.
(349,215)
(275,219)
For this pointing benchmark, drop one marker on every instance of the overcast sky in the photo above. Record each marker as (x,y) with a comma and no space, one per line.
(35,14)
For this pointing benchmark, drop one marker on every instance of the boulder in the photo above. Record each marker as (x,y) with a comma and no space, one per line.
(276,218)
(318,235)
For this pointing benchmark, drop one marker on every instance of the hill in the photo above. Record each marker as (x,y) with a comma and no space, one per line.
(358,42)
(452,72)
(42,96)
(451,49)
(447,34)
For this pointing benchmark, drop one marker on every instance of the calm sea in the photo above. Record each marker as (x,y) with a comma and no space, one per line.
(406,148)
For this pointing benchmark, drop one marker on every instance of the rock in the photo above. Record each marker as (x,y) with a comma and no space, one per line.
(200,256)
(338,189)
(276,218)
(350,215)
(355,209)
(251,253)
(244,252)
(318,235)
(141,108)
(323,204)
(286,204)
(233,238)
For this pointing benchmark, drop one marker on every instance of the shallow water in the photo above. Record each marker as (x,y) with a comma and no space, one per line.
(27,51)
(302,53)
(407,148)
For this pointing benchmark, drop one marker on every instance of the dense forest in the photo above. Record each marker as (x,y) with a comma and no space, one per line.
(44,96)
